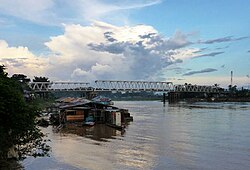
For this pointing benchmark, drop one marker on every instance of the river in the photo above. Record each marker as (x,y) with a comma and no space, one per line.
(174,136)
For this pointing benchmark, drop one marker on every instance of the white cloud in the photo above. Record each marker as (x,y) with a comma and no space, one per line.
(55,12)
(98,9)
(79,72)
(21,60)
(13,52)
(105,51)
(184,53)
(93,73)
(101,51)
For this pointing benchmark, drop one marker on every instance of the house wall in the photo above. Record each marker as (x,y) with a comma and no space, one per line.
(118,119)
(79,112)
(76,118)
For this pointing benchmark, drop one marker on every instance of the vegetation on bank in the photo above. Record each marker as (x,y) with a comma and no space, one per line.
(42,103)
(232,94)
(20,136)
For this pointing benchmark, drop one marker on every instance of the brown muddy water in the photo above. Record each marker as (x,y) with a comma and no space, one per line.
(174,136)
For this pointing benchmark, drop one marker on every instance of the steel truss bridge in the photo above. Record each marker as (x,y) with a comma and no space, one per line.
(110,85)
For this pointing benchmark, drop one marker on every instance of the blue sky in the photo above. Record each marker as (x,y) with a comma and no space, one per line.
(193,41)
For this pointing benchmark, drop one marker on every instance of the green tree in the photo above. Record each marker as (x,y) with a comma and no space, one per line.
(21,78)
(18,130)
(40,79)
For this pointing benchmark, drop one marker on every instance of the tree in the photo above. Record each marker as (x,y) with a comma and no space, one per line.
(232,89)
(18,129)
(40,79)
(21,77)
(2,72)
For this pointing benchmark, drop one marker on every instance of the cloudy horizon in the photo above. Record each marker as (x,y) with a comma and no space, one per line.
(131,40)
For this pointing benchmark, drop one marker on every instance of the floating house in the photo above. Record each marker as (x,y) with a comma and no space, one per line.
(114,118)
(90,112)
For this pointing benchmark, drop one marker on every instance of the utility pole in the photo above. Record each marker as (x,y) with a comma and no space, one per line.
(231,78)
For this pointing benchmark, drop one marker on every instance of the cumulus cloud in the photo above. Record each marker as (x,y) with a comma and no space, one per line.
(207,70)
(105,51)
(101,51)
(21,60)
(221,40)
(152,42)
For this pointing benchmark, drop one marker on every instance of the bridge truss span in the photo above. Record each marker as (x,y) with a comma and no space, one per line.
(196,88)
(60,86)
(110,85)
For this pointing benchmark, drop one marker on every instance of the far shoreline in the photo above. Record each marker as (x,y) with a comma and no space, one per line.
(191,99)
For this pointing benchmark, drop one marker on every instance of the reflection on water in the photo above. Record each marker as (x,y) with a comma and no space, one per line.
(99,132)
(177,136)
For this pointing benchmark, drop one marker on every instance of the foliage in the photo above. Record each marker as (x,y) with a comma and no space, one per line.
(21,78)
(17,121)
(40,79)
(232,89)
(2,72)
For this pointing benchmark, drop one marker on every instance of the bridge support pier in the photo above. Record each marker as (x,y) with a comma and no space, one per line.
(173,97)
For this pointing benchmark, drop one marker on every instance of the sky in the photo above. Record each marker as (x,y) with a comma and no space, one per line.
(183,41)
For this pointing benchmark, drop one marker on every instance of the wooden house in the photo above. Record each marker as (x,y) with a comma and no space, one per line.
(101,113)
(73,113)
